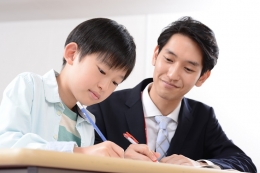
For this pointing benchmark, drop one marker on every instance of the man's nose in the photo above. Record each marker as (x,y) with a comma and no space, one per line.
(174,72)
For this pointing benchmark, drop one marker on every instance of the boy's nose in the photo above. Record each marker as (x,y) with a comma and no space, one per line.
(103,84)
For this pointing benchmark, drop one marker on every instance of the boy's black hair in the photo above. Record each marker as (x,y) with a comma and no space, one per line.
(199,33)
(108,39)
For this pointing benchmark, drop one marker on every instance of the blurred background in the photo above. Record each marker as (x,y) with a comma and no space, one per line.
(33,33)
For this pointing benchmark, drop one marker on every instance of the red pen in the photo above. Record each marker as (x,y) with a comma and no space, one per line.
(130,138)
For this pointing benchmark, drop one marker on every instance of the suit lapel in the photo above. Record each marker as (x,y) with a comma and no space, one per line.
(134,115)
(184,125)
(135,121)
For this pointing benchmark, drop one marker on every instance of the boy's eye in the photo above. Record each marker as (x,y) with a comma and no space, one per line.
(189,70)
(116,84)
(101,71)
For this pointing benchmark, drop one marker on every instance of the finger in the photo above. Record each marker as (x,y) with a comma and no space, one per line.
(170,159)
(141,152)
(144,150)
(136,156)
(177,160)
(157,155)
(116,151)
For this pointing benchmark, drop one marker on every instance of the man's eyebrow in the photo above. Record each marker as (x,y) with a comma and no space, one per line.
(193,63)
(171,52)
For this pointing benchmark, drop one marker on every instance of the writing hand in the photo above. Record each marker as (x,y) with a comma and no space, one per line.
(141,152)
(106,148)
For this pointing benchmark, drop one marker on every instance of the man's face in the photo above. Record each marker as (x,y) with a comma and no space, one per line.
(177,69)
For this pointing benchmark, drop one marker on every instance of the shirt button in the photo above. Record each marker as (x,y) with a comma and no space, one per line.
(55,137)
(59,113)
(60,105)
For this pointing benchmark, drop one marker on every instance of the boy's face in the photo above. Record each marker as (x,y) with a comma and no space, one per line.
(92,81)
(177,69)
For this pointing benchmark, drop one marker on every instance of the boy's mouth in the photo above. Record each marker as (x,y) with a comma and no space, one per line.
(95,94)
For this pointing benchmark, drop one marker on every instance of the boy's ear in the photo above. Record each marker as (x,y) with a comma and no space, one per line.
(155,54)
(70,52)
(203,78)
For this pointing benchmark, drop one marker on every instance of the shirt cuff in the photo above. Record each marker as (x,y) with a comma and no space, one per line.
(61,146)
(209,164)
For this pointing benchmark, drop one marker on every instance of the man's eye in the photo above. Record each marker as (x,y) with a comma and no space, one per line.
(101,71)
(167,59)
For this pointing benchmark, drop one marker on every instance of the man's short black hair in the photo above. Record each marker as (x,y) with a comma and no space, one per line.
(199,33)
(109,40)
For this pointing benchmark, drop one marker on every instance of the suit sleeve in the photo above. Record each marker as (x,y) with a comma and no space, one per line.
(224,152)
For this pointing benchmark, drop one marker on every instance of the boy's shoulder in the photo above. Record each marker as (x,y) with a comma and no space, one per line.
(30,76)
(24,78)
(31,80)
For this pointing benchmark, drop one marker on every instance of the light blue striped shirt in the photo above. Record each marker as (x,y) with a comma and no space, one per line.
(30,114)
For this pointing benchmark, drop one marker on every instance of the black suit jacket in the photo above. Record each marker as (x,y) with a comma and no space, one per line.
(198,135)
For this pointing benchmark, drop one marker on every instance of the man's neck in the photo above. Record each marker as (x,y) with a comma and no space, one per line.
(165,106)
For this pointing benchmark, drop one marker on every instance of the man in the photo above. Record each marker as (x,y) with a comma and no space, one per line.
(186,53)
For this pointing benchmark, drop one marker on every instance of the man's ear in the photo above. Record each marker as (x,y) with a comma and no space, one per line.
(203,78)
(70,52)
(155,54)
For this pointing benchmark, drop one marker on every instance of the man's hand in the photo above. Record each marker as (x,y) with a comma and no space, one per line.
(107,148)
(141,152)
(181,160)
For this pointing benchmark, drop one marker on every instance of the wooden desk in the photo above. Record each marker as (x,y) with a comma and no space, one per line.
(41,161)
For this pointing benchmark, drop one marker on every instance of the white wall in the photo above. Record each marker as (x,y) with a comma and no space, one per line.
(37,46)
(232,89)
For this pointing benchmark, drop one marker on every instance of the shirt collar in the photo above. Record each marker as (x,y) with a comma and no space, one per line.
(150,108)
(51,86)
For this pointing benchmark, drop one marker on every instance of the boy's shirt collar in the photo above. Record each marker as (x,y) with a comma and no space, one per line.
(51,87)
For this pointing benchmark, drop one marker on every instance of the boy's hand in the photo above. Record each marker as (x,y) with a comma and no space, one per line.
(141,152)
(106,148)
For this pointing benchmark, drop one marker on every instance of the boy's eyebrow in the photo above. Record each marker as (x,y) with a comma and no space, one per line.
(190,62)
(122,77)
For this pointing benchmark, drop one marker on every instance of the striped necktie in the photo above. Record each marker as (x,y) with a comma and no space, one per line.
(162,142)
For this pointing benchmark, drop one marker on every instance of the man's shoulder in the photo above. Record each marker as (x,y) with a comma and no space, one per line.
(120,94)
(125,93)
(129,95)
(197,109)
(191,103)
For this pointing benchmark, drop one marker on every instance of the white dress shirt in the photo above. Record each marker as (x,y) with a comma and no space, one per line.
(152,127)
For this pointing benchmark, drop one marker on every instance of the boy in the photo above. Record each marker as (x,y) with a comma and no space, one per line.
(186,53)
(40,112)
